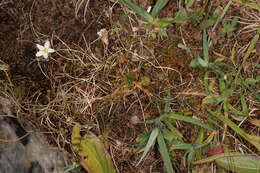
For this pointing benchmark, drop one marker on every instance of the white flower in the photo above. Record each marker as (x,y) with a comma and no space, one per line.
(103,34)
(149,9)
(44,50)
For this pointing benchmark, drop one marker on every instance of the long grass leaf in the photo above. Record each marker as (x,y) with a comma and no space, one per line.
(222,15)
(168,102)
(249,4)
(233,126)
(248,52)
(240,164)
(199,140)
(164,153)
(149,144)
(217,156)
(175,131)
(206,82)
(189,120)
(146,16)
(244,105)
(257,95)
(205,47)
(158,7)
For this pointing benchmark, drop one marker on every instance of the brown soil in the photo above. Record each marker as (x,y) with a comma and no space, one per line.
(36,84)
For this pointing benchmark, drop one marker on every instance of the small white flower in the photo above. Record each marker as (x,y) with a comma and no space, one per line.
(149,9)
(44,50)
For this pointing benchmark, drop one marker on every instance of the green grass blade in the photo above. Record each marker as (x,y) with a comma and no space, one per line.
(158,7)
(233,126)
(217,156)
(184,47)
(175,131)
(250,48)
(189,120)
(146,16)
(168,102)
(205,47)
(222,15)
(149,144)
(249,4)
(199,140)
(206,82)
(164,153)
(244,105)
(248,52)
(178,145)
(251,90)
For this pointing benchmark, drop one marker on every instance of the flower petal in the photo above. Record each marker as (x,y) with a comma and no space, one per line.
(45,55)
(50,50)
(40,47)
(47,44)
(40,53)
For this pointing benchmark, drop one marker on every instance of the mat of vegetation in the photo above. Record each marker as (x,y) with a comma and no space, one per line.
(137,85)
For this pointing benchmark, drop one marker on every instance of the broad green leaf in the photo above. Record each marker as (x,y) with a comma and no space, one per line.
(217,156)
(164,153)
(149,144)
(188,119)
(202,62)
(158,7)
(164,22)
(94,157)
(141,12)
(240,164)
(179,145)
